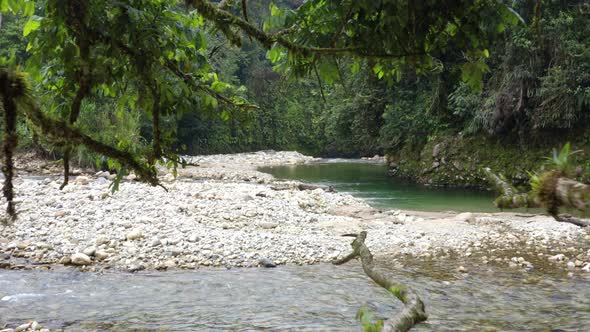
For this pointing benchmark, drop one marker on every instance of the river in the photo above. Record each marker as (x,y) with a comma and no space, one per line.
(369,180)
(318,298)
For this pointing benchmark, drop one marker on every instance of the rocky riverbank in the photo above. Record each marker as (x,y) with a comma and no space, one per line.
(224,213)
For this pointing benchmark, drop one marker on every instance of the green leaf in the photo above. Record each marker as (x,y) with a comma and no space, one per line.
(32,24)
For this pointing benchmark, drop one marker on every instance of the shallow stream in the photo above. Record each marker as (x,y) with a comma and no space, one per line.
(320,297)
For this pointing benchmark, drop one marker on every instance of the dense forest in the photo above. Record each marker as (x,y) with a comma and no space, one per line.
(437,126)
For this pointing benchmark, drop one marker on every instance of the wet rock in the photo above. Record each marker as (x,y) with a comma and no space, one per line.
(135,268)
(571,265)
(7,330)
(586,268)
(267,262)
(80,259)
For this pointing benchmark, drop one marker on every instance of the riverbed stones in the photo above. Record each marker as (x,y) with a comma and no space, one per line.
(209,222)
(80,259)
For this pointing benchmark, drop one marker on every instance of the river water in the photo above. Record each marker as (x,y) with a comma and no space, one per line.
(369,180)
(296,298)
(321,297)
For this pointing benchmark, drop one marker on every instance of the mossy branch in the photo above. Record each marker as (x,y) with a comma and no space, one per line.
(413,312)
(8,106)
(509,198)
(219,16)
(554,191)
(61,130)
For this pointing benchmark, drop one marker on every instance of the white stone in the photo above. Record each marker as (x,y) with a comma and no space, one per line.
(134,235)
(467,217)
(80,259)
(89,251)
(557,258)
(81,180)
(101,255)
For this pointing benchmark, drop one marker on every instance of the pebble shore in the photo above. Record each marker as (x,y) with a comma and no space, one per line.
(225,213)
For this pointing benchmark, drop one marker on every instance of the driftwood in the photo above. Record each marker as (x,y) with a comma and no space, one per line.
(303,186)
(413,312)
(509,198)
(567,193)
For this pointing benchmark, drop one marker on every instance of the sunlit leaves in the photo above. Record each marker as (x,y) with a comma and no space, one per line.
(472,74)
(24,7)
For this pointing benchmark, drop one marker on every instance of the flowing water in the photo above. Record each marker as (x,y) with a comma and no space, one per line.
(319,298)
(369,180)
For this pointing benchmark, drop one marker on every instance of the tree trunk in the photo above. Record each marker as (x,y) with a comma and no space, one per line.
(413,312)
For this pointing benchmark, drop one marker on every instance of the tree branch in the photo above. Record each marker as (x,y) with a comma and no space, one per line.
(413,312)
(218,16)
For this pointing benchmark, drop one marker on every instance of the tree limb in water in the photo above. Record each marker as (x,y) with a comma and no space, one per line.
(509,198)
(413,312)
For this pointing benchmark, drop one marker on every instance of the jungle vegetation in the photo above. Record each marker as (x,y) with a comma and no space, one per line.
(159,79)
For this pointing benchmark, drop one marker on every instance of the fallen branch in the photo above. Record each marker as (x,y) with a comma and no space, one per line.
(303,186)
(565,192)
(509,198)
(413,312)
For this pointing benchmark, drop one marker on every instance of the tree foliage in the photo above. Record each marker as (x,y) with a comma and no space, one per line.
(152,58)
